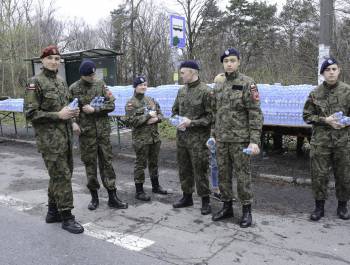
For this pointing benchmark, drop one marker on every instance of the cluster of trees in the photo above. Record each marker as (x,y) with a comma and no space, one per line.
(276,45)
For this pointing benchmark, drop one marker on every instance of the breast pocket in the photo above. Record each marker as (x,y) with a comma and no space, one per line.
(50,102)
(321,105)
(236,100)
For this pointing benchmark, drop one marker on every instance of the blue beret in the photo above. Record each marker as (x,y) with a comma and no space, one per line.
(87,67)
(189,64)
(138,80)
(326,63)
(229,52)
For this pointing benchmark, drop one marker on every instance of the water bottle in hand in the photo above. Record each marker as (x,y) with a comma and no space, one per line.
(211,145)
(345,120)
(338,115)
(74,104)
(247,151)
(176,121)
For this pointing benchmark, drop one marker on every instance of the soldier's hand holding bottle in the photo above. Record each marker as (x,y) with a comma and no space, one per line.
(184,123)
(334,122)
(153,113)
(252,149)
(67,113)
(88,109)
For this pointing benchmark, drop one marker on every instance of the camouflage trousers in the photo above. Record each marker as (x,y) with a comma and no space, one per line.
(322,160)
(98,152)
(146,156)
(231,159)
(60,169)
(193,166)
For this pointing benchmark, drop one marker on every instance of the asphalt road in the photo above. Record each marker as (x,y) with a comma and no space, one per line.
(154,232)
(28,240)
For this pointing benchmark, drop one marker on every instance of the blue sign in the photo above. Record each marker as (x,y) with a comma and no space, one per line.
(177,31)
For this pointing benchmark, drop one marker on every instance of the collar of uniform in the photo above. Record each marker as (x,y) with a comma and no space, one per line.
(329,86)
(231,76)
(49,73)
(139,96)
(85,83)
(195,83)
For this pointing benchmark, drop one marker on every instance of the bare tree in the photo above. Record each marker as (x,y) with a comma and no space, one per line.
(193,11)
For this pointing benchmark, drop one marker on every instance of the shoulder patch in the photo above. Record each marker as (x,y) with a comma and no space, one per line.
(129,106)
(254,92)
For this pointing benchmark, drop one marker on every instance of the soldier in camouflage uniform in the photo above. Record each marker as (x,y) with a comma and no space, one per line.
(330,140)
(94,130)
(193,103)
(237,124)
(143,114)
(45,105)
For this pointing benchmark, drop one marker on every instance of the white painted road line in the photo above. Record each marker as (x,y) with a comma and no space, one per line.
(14,203)
(129,242)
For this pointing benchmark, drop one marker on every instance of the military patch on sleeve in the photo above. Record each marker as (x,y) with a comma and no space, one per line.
(109,93)
(31,86)
(254,92)
(129,106)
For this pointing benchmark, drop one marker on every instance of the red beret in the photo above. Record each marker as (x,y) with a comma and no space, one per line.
(50,50)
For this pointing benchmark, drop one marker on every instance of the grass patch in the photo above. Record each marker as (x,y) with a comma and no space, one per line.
(20,119)
(166,130)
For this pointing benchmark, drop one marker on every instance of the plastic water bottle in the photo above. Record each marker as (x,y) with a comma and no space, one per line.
(211,145)
(247,151)
(345,120)
(74,104)
(338,115)
(100,101)
(176,121)
(97,101)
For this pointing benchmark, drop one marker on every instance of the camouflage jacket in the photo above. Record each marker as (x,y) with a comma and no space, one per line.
(137,112)
(94,124)
(322,102)
(45,95)
(193,101)
(236,109)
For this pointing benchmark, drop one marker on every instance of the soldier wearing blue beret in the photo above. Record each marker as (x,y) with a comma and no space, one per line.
(193,104)
(94,130)
(144,114)
(238,121)
(330,142)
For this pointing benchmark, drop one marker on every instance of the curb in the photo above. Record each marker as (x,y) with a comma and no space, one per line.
(262,176)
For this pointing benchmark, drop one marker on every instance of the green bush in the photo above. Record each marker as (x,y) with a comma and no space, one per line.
(166,130)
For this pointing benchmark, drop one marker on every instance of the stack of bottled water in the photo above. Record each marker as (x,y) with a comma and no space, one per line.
(13,104)
(97,102)
(283,105)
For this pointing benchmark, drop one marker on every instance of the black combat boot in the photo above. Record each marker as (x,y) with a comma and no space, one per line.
(206,209)
(225,212)
(140,194)
(114,201)
(246,219)
(94,200)
(185,201)
(53,216)
(342,210)
(70,224)
(318,213)
(156,188)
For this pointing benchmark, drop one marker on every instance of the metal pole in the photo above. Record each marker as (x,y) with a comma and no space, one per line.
(326,32)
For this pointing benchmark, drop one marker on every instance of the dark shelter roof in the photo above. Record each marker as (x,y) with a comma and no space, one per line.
(92,53)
